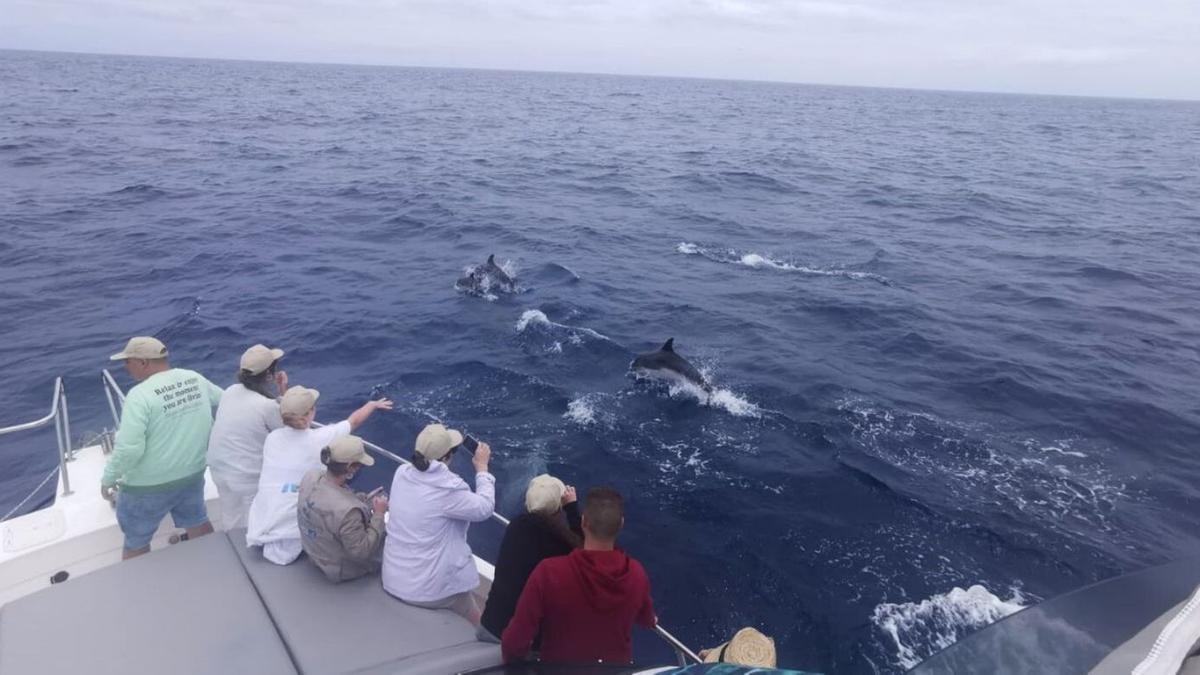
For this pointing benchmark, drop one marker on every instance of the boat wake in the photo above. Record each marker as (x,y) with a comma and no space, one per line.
(917,630)
(758,261)
(1065,484)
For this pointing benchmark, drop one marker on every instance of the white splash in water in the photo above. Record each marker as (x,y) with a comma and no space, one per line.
(760,261)
(581,410)
(531,316)
(536,317)
(921,629)
(727,400)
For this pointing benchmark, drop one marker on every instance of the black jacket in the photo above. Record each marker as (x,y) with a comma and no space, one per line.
(528,540)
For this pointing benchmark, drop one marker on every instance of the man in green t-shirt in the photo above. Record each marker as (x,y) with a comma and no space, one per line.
(160,451)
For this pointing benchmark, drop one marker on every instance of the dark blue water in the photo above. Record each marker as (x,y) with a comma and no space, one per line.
(955,335)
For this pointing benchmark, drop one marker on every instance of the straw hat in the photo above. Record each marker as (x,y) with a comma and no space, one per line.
(747,648)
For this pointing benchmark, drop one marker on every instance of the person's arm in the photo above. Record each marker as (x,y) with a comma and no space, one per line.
(474,506)
(523,627)
(481,504)
(571,509)
(359,416)
(360,538)
(645,616)
(129,445)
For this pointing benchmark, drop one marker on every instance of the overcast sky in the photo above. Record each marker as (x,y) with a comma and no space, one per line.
(1147,48)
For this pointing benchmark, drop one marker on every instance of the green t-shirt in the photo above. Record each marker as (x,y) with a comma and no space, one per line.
(163,437)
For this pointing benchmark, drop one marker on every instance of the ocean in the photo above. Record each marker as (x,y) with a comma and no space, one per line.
(953,335)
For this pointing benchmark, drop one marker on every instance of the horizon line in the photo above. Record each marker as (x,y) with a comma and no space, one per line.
(796,83)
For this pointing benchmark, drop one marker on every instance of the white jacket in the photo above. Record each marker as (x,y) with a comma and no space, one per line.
(426,556)
(288,454)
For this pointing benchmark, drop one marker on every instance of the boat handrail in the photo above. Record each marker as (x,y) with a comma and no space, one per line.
(62,430)
(116,397)
(682,653)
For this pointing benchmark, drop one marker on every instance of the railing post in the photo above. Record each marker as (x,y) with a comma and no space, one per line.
(112,406)
(62,426)
(70,450)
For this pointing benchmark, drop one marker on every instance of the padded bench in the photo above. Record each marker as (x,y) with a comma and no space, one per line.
(355,626)
(189,608)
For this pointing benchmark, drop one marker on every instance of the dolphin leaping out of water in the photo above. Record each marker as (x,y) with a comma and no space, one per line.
(486,277)
(665,362)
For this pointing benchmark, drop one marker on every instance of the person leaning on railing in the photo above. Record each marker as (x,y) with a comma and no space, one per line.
(342,531)
(427,561)
(249,411)
(584,604)
(288,454)
(539,533)
(158,457)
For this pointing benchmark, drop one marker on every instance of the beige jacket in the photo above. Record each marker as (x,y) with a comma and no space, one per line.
(340,533)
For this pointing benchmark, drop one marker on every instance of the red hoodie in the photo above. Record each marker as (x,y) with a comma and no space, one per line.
(585,604)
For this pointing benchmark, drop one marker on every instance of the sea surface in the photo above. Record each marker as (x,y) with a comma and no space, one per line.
(954,336)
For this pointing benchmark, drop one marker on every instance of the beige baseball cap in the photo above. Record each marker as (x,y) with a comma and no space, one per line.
(349,449)
(144,347)
(544,494)
(435,441)
(298,401)
(258,358)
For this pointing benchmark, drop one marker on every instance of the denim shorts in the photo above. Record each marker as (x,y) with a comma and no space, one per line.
(139,513)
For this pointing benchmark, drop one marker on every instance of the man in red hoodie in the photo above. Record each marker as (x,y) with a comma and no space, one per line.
(585,603)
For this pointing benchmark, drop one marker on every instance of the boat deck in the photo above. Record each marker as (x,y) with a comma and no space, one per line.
(215,606)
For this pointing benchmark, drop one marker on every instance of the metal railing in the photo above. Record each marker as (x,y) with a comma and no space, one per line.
(62,430)
(682,653)
(116,397)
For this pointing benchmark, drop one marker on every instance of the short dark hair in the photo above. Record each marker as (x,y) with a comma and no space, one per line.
(335,468)
(604,510)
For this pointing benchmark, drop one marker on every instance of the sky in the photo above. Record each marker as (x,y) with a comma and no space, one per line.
(1128,48)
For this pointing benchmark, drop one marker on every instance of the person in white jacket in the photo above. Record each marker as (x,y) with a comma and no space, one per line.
(426,559)
(288,453)
(249,411)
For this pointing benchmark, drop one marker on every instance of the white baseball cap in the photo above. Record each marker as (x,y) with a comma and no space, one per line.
(435,441)
(258,358)
(298,401)
(144,347)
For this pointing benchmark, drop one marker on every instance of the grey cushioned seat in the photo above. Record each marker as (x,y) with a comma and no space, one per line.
(356,626)
(189,608)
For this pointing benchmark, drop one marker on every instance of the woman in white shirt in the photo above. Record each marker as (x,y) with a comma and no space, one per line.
(288,454)
(426,559)
(249,410)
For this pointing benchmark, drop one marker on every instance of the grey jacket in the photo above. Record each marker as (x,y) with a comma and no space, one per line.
(340,533)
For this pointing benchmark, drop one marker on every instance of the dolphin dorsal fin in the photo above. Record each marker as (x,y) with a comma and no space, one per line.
(669,345)
(492,259)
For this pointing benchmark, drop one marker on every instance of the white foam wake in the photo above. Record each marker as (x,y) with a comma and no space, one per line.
(921,629)
(759,261)
(536,317)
